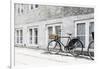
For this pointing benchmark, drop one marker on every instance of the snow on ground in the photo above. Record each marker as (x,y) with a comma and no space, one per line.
(34,57)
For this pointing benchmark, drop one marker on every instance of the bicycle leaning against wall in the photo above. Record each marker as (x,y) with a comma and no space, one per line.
(73,45)
(91,48)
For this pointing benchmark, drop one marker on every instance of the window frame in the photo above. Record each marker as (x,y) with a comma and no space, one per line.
(33,33)
(19,37)
(87,22)
(53,25)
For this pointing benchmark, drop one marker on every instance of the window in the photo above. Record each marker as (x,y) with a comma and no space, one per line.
(91,29)
(21,10)
(31,7)
(21,36)
(30,35)
(53,29)
(81,32)
(35,35)
(36,6)
(17,36)
(18,10)
(84,30)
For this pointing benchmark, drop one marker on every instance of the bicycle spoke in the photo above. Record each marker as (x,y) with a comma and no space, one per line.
(91,50)
(77,48)
(54,47)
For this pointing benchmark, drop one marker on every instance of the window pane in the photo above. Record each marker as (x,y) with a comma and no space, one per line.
(36,6)
(18,10)
(91,29)
(31,7)
(81,29)
(36,35)
(58,30)
(50,31)
(21,36)
(81,32)
(17,36)
(21,10)
(30,36)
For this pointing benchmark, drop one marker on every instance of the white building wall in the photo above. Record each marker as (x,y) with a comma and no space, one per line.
(68,26)
(43,16)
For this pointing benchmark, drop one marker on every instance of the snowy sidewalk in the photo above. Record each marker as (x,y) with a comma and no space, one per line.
(25,56)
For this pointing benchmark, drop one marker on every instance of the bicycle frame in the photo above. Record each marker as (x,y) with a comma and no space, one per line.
(66,45)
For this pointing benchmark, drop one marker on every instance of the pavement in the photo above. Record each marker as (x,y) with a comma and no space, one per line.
(38,57)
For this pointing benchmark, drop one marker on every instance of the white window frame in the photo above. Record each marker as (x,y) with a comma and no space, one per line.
(87,22)
(53,26)
(19,37)
(33,41)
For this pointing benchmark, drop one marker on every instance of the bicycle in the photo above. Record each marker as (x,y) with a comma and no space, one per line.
(91,48)
(73,46)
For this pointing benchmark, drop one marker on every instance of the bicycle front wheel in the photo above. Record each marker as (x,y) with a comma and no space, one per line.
(54,47)
(91,50)
(76,47)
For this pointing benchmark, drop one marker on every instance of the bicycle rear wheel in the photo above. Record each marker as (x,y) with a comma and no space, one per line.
(76,47)
(91,50)
(54,47)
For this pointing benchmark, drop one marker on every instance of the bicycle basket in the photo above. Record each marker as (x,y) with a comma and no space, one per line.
(54,36)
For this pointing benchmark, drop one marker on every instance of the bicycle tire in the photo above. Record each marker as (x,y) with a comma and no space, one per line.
(53,49)
(76,47)
(91,47)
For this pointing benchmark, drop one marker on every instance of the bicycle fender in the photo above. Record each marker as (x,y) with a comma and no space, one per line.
(73,41)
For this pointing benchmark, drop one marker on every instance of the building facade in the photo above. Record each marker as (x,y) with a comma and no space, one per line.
(34,23)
